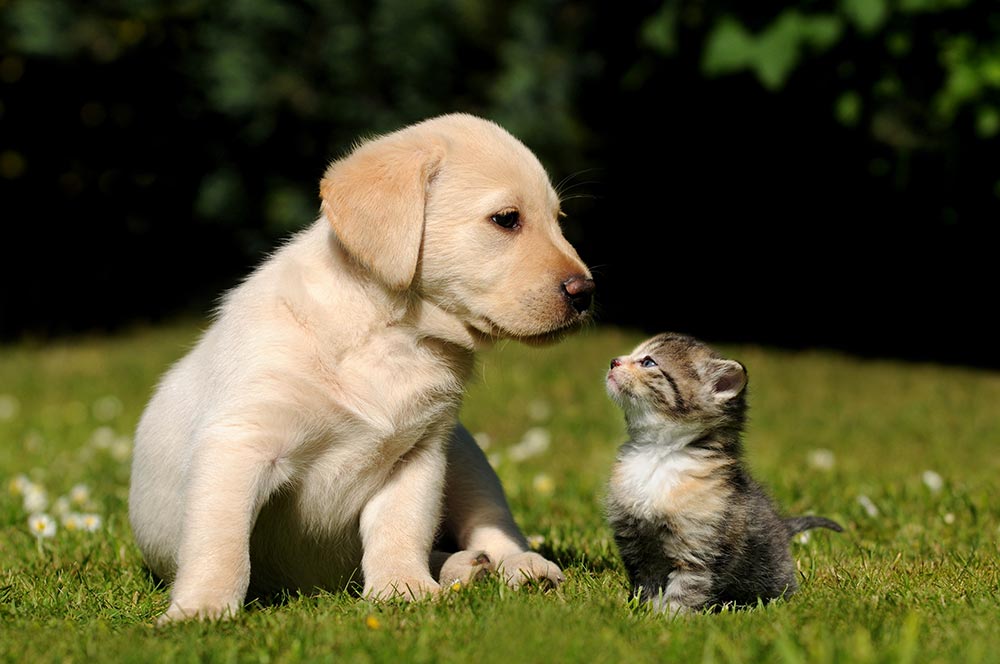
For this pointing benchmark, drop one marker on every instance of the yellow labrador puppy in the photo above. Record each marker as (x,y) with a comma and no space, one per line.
(310,437)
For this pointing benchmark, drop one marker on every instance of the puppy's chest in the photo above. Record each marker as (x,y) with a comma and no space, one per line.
(395,383)
(378,405)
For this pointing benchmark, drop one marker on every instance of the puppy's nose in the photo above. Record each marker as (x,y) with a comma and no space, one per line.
(616,363)
(579,290)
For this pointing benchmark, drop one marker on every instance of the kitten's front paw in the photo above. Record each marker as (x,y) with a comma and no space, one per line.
(465,567)
(406,588)
(529,567)
(668,607)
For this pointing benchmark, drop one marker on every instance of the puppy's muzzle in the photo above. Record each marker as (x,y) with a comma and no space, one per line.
(579,291)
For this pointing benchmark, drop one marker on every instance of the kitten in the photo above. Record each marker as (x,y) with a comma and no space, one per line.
(693,528)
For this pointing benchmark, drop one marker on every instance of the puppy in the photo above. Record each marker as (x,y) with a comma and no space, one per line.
(310,436)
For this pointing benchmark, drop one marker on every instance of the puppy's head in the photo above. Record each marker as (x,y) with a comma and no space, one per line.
(461,213)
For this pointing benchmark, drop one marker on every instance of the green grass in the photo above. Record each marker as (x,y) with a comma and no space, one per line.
(916,582)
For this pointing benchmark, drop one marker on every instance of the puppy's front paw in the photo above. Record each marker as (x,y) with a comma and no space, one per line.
(465,567)
(529,567)
(178,613)
(408,589)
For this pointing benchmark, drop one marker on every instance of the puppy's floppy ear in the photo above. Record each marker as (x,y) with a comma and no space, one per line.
(374,199)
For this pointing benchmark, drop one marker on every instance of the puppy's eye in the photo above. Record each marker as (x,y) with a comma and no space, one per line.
(509,219)
(647,362)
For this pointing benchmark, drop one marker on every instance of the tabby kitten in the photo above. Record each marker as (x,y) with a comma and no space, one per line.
(693,528)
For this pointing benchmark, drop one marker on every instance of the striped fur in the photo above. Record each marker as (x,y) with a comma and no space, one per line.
(692,526)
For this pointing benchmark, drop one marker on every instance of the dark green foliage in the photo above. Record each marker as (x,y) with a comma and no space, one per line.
(164,147)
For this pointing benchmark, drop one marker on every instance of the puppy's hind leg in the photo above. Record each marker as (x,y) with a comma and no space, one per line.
(478,518)
(229,482)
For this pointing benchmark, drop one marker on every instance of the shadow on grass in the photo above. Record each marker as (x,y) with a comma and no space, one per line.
(570,556)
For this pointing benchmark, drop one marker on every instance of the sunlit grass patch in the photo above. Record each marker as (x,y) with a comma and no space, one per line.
(903,455)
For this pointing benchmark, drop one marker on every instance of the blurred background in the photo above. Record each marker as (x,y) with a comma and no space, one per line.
(819,173)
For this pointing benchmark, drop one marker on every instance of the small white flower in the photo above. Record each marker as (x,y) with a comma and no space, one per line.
(19,484)
(41,525)
(543,484)
(72,521)
(35,499)
(102,438)
(106,408)
(61,506)
(90,523)
(9,407)
(79,494)
(949,518)
(932,481)
(535,541)
(868,505)
(803,537)
(483,439)
(121,449)
(822,459)
(534,442)
(539,410)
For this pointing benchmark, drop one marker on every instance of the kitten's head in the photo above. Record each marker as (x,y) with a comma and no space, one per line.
(676,380)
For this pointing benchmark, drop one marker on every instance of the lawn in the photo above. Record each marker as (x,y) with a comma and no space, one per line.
(914,577)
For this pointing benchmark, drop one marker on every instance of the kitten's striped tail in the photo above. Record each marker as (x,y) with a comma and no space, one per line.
(797,524)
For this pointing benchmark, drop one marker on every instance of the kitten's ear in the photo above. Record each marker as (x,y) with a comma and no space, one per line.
(728,378)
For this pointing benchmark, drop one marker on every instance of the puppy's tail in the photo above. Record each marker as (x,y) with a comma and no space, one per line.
(797,524)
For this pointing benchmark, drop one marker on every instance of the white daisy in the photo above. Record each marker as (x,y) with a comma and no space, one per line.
(61,506)
(543,484)
(121,449)
(822,459)
(102,438)
(41,525)
(19,484)
(932,481)
(35,499)
(79,494)
(72,521)
(90,523)
(9,407)
(483,439)
(535,441)
(870,508)
(536,540)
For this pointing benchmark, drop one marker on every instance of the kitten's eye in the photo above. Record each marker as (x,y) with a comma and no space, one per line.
(647,362)
(509,219)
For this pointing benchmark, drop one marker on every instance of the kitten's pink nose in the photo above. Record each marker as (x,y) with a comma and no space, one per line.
(616,363)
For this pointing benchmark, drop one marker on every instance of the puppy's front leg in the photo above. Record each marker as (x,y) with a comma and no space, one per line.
(399,522)
(229,482)
(477,515)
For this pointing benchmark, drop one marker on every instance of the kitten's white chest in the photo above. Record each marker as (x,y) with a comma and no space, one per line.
(646,476)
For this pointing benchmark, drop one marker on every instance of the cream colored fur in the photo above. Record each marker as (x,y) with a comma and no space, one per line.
(310,437)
